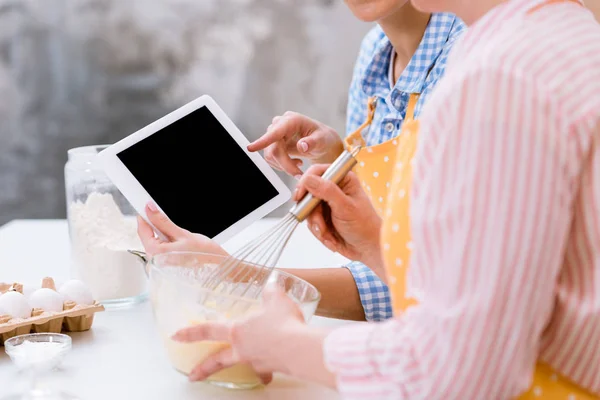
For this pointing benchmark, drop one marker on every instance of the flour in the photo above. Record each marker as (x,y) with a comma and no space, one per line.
(100,238)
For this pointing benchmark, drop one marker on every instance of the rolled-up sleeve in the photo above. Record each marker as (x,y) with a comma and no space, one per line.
(374,293)
(490,215)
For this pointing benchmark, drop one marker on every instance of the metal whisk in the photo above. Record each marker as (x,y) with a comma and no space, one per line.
(251,265)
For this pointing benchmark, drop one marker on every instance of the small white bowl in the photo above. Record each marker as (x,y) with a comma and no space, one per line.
(37,351)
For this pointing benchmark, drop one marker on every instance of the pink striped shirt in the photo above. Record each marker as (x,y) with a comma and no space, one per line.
(505,218)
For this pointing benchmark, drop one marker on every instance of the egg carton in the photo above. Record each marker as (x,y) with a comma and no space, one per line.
(73,318)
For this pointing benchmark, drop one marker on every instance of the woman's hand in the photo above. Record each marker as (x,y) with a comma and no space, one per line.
(179,239)
(274,339)
(296,135)
(346,221)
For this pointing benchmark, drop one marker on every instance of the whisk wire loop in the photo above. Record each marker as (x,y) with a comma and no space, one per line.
(251,266)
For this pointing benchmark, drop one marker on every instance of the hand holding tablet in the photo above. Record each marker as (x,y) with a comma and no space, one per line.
(194,165)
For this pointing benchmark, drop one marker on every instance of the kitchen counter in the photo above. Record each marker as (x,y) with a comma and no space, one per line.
(121,357)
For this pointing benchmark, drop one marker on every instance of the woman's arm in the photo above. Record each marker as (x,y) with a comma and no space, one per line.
(490,215)
(339,294)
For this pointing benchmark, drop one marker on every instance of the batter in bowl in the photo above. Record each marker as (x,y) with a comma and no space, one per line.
(178,305)
(186,356)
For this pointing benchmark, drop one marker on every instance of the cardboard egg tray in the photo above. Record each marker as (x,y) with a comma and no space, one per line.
(73,318)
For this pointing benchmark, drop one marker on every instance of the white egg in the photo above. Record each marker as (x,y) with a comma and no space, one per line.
(77,291)
(15,305)
(47,299)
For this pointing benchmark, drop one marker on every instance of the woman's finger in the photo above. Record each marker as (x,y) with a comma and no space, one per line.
(213,364)
(266,378)
(298,162)
(285,161)
(316,169)
(269,156)
(277,131)
(163,223)
(272,136)
(144,229)
(146,234)
(331,245)
(327,191)
(317,224)
(336,238)
(206,331)
(350,184)
(316,143)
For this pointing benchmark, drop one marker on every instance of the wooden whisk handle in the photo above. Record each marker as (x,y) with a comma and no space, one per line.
(335,173)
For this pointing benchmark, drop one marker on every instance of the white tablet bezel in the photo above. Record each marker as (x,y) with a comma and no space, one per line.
(135,193)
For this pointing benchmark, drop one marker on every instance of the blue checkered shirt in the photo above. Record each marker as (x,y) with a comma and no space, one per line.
(372,78)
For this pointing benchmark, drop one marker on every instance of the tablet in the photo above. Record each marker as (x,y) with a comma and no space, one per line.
(194,165)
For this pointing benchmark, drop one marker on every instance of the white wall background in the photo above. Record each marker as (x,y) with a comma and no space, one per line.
(79,72)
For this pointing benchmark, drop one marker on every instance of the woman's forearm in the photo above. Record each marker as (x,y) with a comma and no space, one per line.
(339,294)
(305,359)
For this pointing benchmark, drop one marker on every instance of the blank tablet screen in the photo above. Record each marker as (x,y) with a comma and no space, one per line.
(197,173)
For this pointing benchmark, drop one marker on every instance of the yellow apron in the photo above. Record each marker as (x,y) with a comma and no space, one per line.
(376,168)
(375,164)
(396,238)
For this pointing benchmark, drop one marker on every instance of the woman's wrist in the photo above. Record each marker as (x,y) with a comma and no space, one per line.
(373,257)
(304,357)
(375,262)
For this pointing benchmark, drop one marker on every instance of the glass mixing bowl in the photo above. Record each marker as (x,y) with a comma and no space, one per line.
(179,300)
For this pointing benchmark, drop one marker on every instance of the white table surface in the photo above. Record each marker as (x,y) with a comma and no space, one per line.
(121,357)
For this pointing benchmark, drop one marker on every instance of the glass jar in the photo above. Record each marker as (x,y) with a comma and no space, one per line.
(102,228)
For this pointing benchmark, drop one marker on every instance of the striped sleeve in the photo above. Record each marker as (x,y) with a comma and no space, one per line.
(490,219)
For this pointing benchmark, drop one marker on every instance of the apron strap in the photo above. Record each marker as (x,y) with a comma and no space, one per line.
(355,138)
